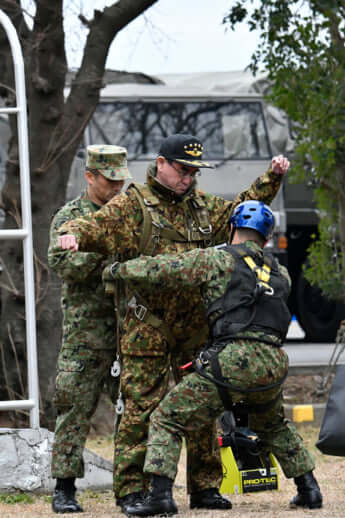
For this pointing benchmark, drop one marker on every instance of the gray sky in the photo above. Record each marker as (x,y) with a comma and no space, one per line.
(172,36)
(182,36)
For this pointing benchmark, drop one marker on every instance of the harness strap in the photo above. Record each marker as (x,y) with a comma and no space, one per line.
(141,312)
(146,230)
(260,407)
(223,392)
(200,214)
(262,273)
(279,344)
(221,383)
(182,237)
(153,229)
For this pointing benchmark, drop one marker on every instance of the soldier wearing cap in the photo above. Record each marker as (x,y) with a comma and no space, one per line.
(163,327)
(88,342)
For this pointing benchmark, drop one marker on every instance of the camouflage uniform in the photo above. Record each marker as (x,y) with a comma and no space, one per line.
(88,344)
(246,364)
(148,349)
(89,326)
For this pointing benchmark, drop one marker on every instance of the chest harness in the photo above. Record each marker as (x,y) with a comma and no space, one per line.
(255,300)
(156,228)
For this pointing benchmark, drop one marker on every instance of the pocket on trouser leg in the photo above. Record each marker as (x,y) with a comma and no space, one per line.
(80,378)
(67,459)
(68,383)
(144,380)
(140,339)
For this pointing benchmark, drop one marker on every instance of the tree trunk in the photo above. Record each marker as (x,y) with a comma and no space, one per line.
(55,130)
(341,205)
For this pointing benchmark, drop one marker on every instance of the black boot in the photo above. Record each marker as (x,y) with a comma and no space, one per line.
(209,499)
(158,501)
(308,492)
(130,500)
(64,497)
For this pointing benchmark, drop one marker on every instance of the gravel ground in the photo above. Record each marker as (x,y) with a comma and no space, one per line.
(302,389)
(266,504)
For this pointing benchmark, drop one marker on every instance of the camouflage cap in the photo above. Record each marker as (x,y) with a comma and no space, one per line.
(109,161)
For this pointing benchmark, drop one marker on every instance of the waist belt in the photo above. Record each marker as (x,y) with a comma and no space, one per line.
(210,356)
(228,338)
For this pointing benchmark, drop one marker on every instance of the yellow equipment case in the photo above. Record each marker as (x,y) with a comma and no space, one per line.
(246,467)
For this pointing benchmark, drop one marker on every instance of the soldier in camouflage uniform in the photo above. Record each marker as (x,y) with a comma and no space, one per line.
(246,294)
(163,327)
(89,326)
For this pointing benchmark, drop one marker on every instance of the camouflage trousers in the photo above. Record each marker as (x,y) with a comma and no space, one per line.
(195,402)
(146,369)
(82,375)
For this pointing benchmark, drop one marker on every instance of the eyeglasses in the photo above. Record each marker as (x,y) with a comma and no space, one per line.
(184,172)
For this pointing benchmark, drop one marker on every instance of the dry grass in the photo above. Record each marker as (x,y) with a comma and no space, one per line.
(274,504)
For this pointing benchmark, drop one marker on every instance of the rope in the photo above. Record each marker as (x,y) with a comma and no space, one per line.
(338,349)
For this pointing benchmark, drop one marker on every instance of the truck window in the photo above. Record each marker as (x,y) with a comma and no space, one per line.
(228,130)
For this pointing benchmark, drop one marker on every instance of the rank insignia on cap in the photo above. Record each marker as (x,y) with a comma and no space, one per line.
(185,149)
(195,149)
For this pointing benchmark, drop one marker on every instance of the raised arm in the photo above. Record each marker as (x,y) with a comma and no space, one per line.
(267,185)
(264,189)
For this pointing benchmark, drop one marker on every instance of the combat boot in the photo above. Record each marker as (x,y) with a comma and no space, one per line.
(130,500)
(158,501)
(209,499)
(64,497)
(308,492)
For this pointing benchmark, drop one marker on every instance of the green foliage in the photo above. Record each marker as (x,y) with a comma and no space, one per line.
(302,50)
(16,498)
(324,263)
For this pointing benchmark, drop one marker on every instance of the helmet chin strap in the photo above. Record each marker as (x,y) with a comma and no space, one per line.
(231,233)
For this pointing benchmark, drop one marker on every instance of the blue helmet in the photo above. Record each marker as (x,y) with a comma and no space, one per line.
(255,215)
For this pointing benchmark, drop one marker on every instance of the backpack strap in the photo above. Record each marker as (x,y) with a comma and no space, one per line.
(200,213)
(147,202)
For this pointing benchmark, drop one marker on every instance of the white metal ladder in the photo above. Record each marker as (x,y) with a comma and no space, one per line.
(25,233)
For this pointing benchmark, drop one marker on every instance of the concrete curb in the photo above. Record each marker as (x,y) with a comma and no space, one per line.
(25,458)
(304,414)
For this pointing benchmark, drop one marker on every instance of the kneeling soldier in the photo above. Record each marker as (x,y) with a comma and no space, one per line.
(245,290)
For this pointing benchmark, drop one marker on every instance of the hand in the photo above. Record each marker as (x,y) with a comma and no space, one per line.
(280,164)
(109,272)
(68,242)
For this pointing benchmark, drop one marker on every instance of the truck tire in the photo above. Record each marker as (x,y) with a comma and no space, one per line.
(317,315)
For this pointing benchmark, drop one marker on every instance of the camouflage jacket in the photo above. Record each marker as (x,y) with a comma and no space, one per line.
(88,314)
(210,269)
(117,228)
